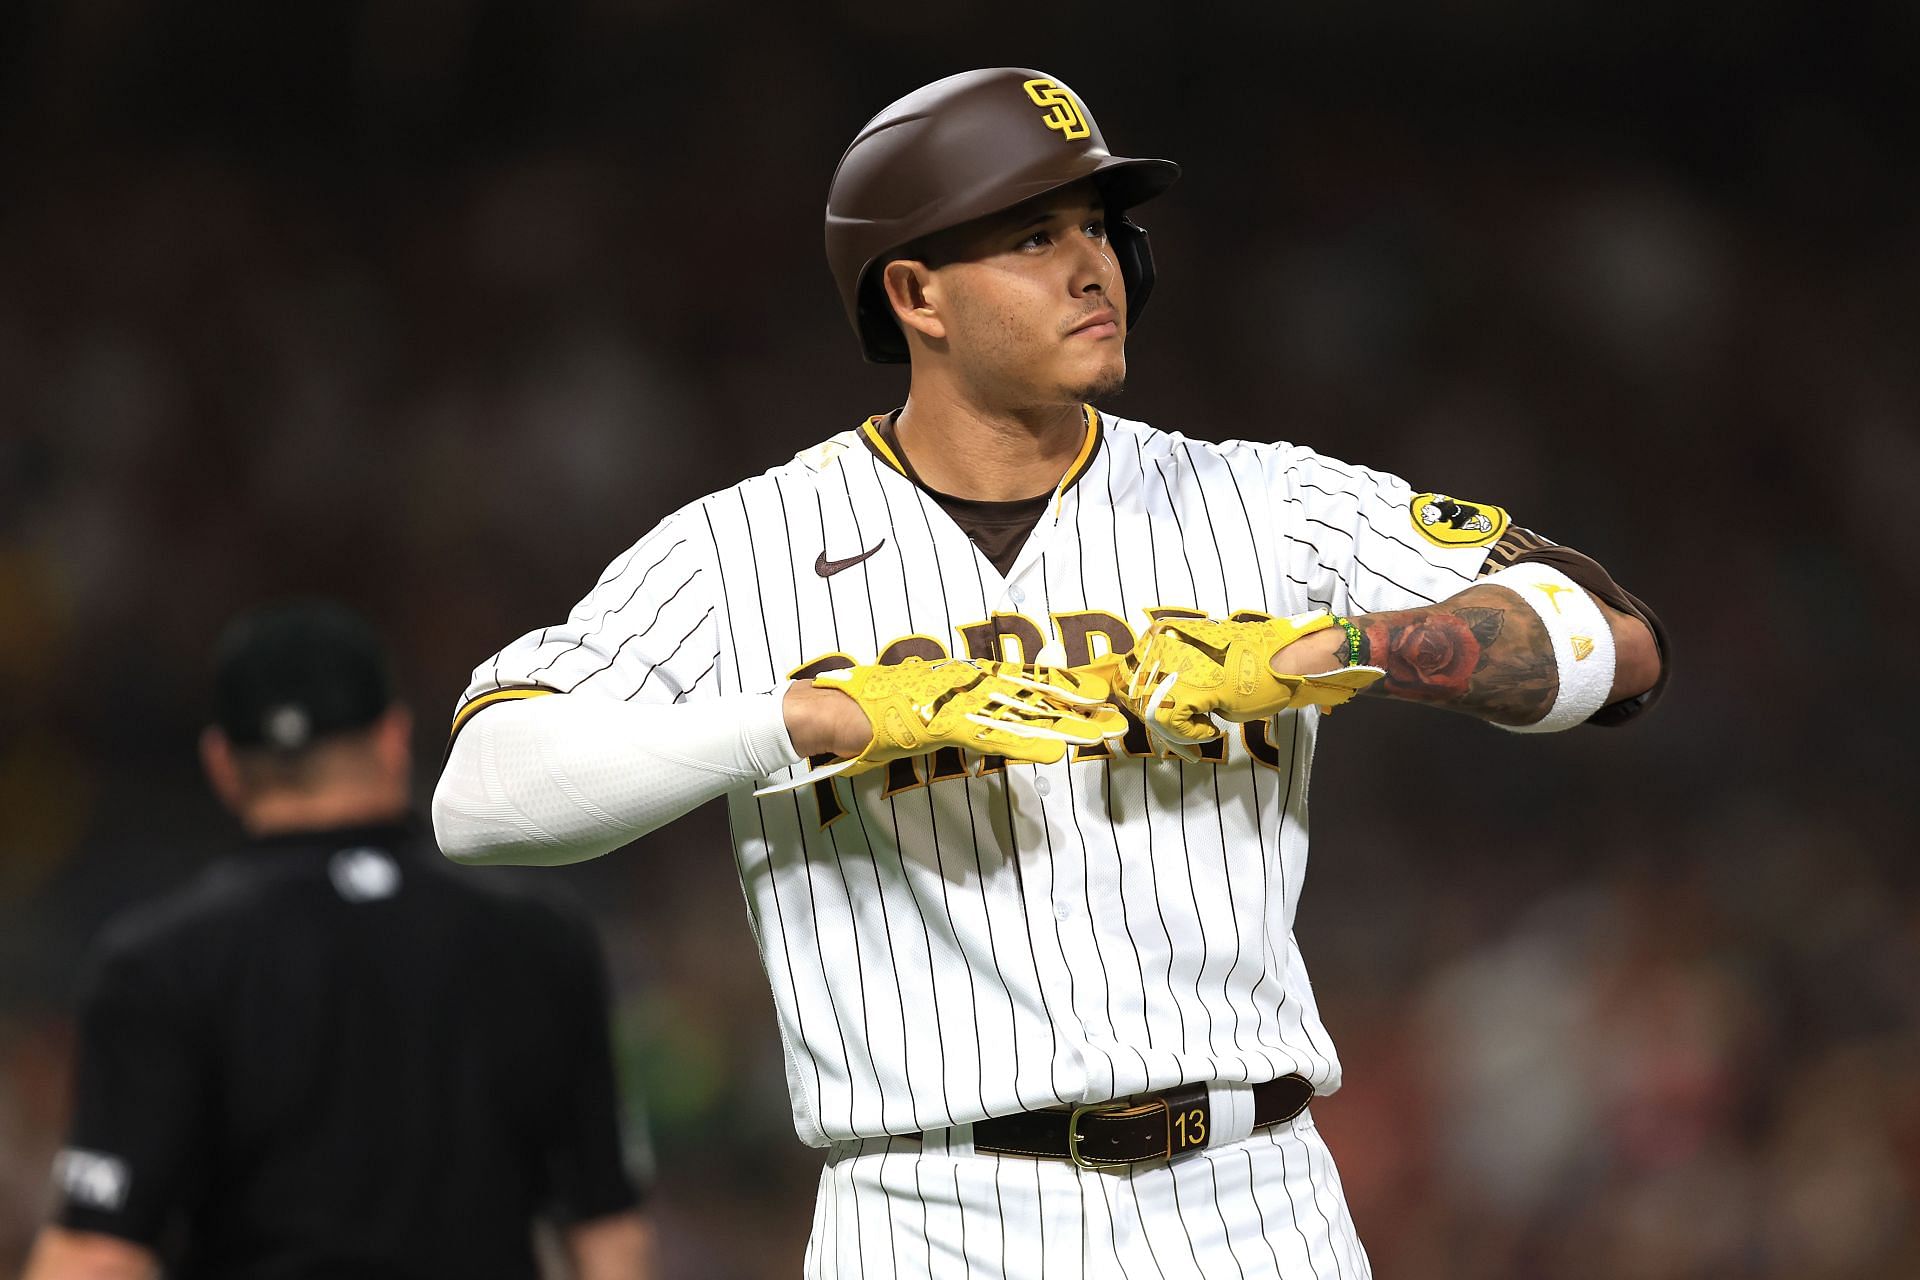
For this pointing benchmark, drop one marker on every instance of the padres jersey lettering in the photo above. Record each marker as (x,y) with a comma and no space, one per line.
(952,937)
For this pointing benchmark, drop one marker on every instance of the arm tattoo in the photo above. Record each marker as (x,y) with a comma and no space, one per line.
(1481,652)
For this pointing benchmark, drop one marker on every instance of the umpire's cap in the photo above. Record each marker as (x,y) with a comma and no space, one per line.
(287,675)
(959,149)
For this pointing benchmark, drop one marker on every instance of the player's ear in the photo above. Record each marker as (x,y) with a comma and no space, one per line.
(223,775)
(914,294)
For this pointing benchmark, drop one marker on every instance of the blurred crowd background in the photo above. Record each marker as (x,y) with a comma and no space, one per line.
(437,305)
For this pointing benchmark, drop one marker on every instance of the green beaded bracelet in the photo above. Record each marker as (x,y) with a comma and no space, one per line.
(1355,642)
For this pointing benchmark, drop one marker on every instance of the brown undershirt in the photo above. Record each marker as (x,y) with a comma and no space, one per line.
(999,529)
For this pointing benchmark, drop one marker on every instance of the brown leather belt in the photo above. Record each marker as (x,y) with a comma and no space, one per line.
(1147,1127)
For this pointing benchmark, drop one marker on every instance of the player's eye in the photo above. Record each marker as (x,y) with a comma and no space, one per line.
(1038,240)
(1097,228)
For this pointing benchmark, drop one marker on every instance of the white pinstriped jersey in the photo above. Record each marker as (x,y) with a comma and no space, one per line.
(952,938)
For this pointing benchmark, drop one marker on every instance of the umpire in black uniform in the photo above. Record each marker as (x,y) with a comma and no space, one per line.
(334,1055)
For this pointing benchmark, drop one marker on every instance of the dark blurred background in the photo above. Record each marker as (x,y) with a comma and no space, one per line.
(437,305)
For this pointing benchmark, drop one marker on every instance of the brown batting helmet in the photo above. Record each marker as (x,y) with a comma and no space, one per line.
(959,149)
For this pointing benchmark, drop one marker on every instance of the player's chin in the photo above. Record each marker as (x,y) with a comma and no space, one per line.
(1103,380)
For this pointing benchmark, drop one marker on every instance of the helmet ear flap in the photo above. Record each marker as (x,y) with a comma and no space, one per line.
(1135,257)
(880,333)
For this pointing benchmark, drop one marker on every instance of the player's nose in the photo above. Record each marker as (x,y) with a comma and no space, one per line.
(1096,272)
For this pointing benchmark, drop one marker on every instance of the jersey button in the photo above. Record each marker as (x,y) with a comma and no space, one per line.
(1043,786)
(1016,595)
(1062,911)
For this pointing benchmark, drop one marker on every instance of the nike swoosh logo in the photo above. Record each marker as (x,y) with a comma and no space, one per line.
(827,568)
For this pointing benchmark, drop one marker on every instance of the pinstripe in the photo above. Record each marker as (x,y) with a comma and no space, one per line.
(760,812)
(666,661)
(973,824)
(893,1234)
(805,879)
(833,841)
(926,1222)
(1239,941)
(906,1065)
(1338,1194)
(1046,1002)
(1106,782)
(993,949)
(933,812)
(1112,1236)
(1000,1213)
(698,680)
(1180,1215)
(1146,787)
(1160,910)
(832,1247)
(1314,1185)
(1213,1176)
(1293,1206)
(892,966)
(1011,855)
(1387,536)
(1146,1235)
(1266,893)
(1106,810)
(1180,531)
(610,613)
(1086,891)
(638,635)
(1260,1210)
(1193,895)
(966,1254)
(1040,1205)
(859,975)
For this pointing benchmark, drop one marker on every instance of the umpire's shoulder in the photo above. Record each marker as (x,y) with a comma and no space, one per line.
(155,941)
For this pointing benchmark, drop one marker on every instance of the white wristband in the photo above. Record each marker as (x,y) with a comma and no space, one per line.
(1582,642)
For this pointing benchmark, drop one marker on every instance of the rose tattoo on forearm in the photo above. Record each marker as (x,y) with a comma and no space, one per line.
(1471,653)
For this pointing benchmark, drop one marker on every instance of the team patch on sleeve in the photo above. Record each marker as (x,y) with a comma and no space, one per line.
(1449,522)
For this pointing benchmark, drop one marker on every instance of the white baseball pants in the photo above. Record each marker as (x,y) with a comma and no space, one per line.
(1266,1208)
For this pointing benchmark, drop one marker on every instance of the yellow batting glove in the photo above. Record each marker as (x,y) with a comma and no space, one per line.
(1184,672)
(1027,714)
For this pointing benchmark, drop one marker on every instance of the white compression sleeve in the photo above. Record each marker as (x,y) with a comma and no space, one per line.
(557,779)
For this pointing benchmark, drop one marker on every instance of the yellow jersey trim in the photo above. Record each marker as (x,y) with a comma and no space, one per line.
(1081,460)
(1088,447)
(486,700)
(879,442)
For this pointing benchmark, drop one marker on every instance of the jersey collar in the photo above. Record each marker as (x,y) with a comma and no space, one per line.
(876,433)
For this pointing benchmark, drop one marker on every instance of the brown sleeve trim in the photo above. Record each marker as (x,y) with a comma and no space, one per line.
(1518,545)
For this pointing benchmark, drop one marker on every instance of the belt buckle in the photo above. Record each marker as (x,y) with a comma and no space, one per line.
(1108,1108)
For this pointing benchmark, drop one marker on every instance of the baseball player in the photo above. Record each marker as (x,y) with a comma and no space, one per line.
(1014,703)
